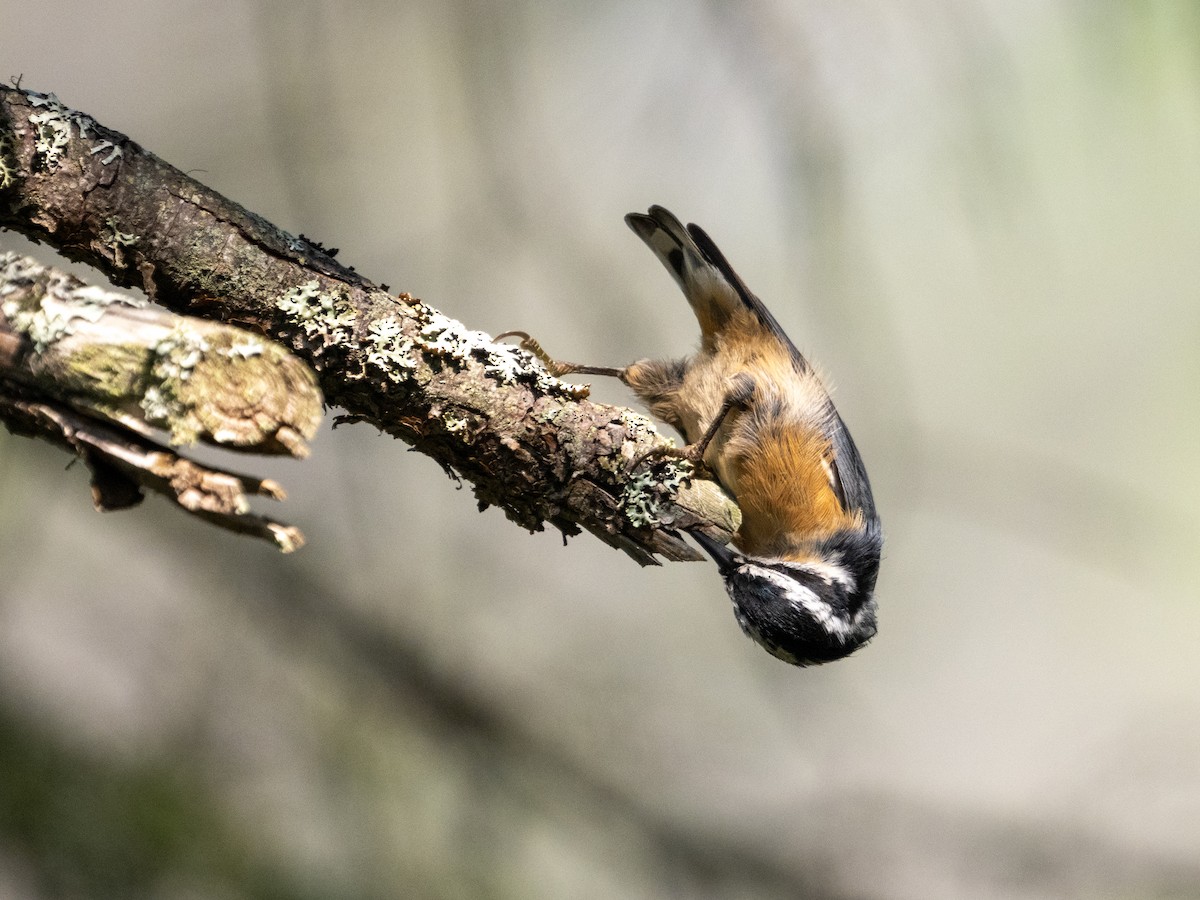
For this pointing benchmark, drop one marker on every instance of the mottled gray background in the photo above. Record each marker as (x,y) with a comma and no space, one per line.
(980,217)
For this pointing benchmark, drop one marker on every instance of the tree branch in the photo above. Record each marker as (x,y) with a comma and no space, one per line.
(491,414)
(99,374)
(123,463)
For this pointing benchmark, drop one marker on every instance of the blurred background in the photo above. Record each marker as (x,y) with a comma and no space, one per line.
(981,218)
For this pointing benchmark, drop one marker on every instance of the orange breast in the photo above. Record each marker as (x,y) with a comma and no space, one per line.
(785,495)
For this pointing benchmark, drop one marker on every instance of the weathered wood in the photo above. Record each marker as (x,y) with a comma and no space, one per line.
(488,413)
(99,374)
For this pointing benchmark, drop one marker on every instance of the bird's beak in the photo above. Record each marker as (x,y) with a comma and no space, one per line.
(720,553)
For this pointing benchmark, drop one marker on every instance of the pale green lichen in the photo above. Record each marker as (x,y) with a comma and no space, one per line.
(611,463)
(396,351)
(647,489)
(512,364)
(94,299)
(53,132)
(175,358)
(637,424)
(382,332)
(454,423)
(114,236)
(637,427)
(114,152)
(8,169)
(326,316)
(17,271)
(116,240)
(504,364)
(390,350)
(449,339)
(452,342)
(48,317)
(43,326)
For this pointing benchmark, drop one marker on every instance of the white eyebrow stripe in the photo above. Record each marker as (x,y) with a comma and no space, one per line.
(793,592)
(827,571)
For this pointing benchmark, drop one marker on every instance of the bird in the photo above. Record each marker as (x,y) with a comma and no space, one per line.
(802,570)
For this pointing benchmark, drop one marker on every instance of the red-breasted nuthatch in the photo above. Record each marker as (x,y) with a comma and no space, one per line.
(752,408)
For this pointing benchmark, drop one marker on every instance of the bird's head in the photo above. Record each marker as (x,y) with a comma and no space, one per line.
(809,610)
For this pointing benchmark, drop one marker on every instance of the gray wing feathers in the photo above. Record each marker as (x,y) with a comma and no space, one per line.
(853,487)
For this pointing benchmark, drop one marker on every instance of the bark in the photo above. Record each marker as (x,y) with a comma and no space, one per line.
(489,414)
(100,374)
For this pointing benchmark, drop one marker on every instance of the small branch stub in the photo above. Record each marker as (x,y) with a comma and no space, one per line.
(101,374)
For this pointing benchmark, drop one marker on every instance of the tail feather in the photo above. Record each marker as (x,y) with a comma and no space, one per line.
(715,291)
(669,241)
(713,298)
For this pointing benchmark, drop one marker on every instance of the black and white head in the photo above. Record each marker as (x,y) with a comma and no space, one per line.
(810,612)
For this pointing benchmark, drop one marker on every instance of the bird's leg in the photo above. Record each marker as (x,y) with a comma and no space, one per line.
(553,366)
(738,397)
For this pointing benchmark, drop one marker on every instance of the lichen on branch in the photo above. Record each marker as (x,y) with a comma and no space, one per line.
(490,414)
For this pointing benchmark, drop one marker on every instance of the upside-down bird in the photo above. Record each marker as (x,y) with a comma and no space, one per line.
(754,411)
